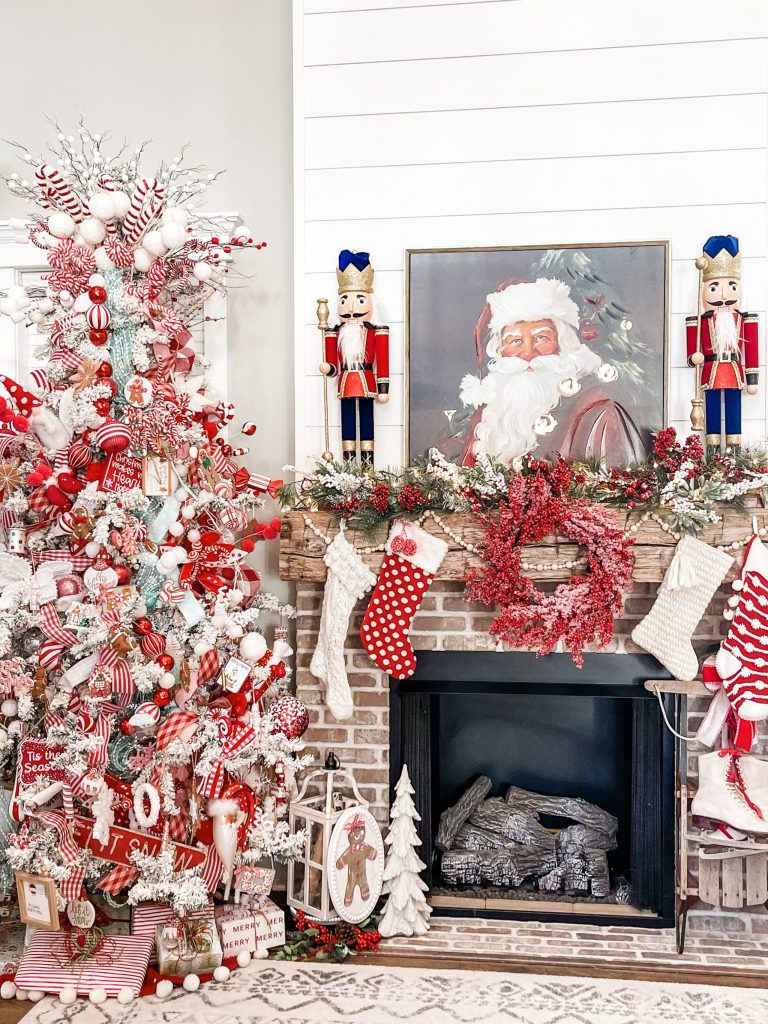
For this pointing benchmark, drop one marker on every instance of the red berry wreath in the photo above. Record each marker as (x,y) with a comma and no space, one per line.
(579,612)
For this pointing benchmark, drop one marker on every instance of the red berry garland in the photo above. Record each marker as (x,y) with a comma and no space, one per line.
(577,613)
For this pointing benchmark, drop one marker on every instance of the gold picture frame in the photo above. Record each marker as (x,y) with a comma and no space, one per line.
(408,456)
(37,901)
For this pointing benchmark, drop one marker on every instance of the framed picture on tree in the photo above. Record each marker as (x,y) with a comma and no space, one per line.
(543,349)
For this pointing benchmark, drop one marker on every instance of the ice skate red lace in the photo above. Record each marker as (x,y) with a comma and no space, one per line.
(734,776)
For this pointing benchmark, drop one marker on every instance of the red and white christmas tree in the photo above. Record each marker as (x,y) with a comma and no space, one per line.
(407,911)
(138,688)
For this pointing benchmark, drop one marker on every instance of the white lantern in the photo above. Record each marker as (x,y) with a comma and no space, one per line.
(318,814)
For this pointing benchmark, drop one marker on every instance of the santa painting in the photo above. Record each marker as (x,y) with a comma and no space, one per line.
(536,360)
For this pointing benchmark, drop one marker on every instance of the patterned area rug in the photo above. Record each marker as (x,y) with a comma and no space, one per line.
(311,994)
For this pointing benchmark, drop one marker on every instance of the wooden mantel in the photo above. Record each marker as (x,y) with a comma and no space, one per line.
(301,551)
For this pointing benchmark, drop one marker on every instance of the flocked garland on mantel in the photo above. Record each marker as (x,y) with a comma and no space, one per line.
(676,486)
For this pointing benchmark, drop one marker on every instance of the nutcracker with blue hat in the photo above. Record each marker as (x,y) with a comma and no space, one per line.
(357,353)
(722,345)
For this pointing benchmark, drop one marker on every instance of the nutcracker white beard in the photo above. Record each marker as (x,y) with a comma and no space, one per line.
(726,335)
(352,343)
(513,399)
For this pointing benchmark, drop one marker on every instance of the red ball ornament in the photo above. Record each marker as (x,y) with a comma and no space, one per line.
(112,436)
(102,406)
(79,456)
(289,716)
(142,626)
(124,575)
(97,294)
(126,728)
(238,702)
(279,670)
(98,337)
(162,698)
(104,369)
(153,645)
(69,585)
(166,662)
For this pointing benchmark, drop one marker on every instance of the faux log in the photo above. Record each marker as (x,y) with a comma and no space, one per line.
(454,817)
(301,551)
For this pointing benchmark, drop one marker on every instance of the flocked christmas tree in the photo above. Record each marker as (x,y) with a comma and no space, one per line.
(407,911)
(138,688)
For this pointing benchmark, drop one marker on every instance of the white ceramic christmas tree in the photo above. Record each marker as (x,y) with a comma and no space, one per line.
(407,911)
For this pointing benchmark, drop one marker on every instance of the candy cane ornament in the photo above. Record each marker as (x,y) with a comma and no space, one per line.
(53,185)
(138,215)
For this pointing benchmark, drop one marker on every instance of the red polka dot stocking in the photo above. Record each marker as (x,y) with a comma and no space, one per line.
(412,558)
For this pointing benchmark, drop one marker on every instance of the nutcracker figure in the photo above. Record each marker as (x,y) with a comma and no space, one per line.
(357,351)
(722,342)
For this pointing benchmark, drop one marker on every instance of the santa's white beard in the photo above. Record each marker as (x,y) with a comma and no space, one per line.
(726,335)
(352,343)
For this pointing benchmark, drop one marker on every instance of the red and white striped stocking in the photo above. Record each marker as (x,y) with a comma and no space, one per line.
(742,660)
(412,558)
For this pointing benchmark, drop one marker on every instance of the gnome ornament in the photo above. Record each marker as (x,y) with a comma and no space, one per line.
(43,421)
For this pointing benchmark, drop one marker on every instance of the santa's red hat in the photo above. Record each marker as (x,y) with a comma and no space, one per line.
(25,401)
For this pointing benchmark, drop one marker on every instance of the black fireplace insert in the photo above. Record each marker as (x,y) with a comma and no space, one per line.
(546,726)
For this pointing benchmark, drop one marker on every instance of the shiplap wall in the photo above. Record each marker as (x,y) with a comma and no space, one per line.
(505,122)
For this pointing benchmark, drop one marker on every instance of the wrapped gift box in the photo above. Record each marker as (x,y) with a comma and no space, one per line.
(147,917)
(245,928)
(178,954)
(123,964)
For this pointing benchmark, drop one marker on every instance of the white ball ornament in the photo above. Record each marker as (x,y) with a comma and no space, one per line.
(243,958)
(235,631)
(201,648)
(164,988)
(262,953)
(235,597)
(22,995)
(82,303)
(93,231)
(242,233)
(103,261)
(45,306)
(125,996)
(154,244)
(121,203)
(142,260)
(14,729)
(188,512)
(35,995)
(253,647)
(176,529)
(102,206)
(168,680)
(68,995)
(96,281)
(9,707)
(79,240)
(191,983)
(98,996)
(8,990)
(221,973)
(92,548)
(66,300)
(61,225)
(202,271)
(218,620)
(173,236)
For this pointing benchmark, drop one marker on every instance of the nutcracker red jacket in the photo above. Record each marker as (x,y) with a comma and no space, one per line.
(372,377)
(745,364)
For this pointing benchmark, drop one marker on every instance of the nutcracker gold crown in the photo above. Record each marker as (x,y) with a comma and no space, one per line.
(354,280)
(722,265)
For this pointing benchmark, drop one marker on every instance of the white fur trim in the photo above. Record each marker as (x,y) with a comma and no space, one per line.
(430,551)
(544,299)
(217,807)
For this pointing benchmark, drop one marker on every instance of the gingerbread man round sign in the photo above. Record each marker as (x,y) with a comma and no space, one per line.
(355,865)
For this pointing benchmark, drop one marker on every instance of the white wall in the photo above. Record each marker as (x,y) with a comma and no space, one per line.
(503,122)
(215,75)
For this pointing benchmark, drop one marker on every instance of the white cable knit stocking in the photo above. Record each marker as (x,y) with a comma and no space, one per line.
(348,580)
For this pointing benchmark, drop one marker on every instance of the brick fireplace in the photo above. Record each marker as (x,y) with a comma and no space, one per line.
(446,623)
